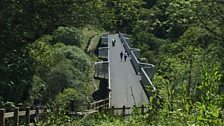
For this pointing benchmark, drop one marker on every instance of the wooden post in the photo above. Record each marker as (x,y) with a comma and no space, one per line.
(123,111)
(72,105)
(100,109)
(88,106)
(27,116)
(96,105)
(2,117)
(16,116)
(142,109)
(37,114)
(104,103)
(108,103)
(112,110)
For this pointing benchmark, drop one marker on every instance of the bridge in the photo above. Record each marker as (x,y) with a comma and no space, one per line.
(128,80)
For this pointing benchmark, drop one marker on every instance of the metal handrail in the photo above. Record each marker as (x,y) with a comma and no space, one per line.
(138,66)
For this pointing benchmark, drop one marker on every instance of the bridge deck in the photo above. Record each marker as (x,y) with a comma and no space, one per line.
(125,84)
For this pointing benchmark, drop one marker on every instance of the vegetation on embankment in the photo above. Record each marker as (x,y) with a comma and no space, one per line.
(42,54)
(89,33)
(59,63)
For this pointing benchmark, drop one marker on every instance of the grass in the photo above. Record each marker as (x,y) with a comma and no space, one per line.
(93,43)
(91,37)
(88,33)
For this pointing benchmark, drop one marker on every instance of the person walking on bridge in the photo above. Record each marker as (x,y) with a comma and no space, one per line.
(121,55)
(125,56)
(113,42)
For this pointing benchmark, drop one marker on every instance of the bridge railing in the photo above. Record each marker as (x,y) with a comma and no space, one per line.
(104,48)
(103,52)
(104,39)
(146,81)
(101,69)
(104,103)
(135,62)
(125,44)
(146,70)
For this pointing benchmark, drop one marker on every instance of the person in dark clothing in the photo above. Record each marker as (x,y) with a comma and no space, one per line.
(121,55)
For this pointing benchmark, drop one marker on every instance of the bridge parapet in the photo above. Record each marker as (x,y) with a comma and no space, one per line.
(101,69)
(136,52)
(146,81)
(103,52)
(104,39)
(144,69)
(148,68)
(135,62)
(125,44)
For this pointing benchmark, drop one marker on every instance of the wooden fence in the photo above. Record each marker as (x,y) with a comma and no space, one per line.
(123,111)
(16,114)
(103,103)
(103,106)
(97,106)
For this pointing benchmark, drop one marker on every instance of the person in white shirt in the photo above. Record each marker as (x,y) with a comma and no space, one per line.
(125,56)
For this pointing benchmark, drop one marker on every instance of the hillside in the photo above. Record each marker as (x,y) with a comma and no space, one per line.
(45,60)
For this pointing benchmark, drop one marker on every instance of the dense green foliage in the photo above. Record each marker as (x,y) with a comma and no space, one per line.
(58,67)
(41,57)
(187,54)
(68,36)
(24,63)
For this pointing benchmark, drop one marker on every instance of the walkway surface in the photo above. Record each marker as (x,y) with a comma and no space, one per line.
(125,84)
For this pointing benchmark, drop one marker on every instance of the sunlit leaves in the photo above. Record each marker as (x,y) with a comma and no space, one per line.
(122,14)
(42,52)
(181,11)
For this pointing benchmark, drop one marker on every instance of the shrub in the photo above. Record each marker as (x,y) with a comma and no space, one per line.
(68,36)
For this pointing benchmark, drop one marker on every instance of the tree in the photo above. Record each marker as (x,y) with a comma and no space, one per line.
(21,23)
(210,16)
(121,14)
(16,73)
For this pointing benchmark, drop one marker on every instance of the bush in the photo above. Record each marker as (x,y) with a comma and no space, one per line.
(77,57)
(57,67)
(71,69)
(60,77)
(148,39)
(68,36)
